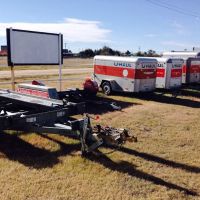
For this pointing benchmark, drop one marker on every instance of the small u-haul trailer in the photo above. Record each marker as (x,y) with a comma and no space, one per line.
(190,67)
(169,73)
(125,74)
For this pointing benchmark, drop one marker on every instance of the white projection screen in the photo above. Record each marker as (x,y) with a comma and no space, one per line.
(33,48)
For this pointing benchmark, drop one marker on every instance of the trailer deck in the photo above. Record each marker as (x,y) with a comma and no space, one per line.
(28,113)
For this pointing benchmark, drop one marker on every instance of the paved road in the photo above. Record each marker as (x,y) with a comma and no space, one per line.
(28,73)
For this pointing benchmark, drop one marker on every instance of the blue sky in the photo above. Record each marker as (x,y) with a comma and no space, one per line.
(122,25)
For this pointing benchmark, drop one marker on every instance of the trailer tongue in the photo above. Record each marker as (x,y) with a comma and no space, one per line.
(29,113)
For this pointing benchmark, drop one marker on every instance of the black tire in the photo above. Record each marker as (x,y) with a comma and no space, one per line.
(106,87)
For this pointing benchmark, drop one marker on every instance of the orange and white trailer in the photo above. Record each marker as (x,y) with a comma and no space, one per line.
(190,67)
(169,73)
(192,70)
(125,74)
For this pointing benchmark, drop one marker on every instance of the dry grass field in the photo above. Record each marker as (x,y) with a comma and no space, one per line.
(163,164)
(67,63)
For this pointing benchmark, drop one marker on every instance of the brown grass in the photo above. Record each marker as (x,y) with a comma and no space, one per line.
(164,164)
(67,63)
(74,81)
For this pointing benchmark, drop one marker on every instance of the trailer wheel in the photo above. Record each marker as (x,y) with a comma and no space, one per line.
(106,87)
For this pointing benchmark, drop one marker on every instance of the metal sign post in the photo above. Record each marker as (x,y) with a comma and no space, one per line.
(60,62)
(12,77)
(11,63)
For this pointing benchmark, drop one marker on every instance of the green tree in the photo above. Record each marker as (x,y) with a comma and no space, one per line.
(128,53)
(151,53)
(87,53)
(106,51)
(139,53)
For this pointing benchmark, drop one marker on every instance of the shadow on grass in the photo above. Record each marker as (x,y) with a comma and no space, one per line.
(160,160)
(192,90)
(128,168)
(161,98)
(95,104)
(101,105)
(16,149)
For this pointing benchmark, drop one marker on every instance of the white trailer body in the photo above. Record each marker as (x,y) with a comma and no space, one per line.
(127,74)
(169,73)
(190,67)
(181,54)
(192,70)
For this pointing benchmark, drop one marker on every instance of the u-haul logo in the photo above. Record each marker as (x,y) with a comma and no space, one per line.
(176,66)
(122,64)
(160,65)
(148,66)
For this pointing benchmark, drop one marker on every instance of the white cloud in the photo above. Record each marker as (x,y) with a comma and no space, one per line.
(73,30)
(151,35)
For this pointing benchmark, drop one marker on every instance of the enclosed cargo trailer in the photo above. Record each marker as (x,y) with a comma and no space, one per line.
(125,74)
(169,73)
(190,67)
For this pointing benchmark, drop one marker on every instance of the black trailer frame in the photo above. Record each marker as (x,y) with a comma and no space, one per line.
(32,114)
(28,113)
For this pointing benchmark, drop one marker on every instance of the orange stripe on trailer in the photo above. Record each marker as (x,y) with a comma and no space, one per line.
(145,73)
(114,71)
(125,72)
(191,69)
(194,69)
(160,73)
(184,69)
(176,73)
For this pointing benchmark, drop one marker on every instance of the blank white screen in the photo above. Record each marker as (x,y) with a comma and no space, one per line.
(34,48)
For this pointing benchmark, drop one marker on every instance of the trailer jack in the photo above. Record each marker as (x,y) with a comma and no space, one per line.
(92,138)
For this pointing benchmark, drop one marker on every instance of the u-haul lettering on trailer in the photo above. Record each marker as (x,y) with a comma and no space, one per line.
(28,91)
(148,66)
(160,65)
(177,66)
(122,64)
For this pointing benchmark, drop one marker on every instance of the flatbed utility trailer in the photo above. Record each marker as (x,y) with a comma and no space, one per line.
(29,113)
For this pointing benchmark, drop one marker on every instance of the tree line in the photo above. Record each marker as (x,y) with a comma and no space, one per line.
(88,53)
